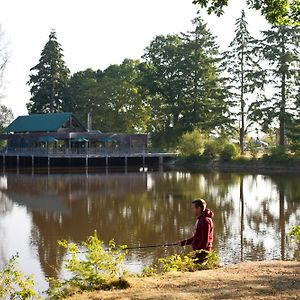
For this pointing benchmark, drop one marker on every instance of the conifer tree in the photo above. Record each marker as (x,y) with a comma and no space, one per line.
(48,79)
(279,48)
(244,74)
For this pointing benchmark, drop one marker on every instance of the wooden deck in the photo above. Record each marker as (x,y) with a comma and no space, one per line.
(69,160)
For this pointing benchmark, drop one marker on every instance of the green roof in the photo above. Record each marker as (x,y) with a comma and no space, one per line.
(40,123)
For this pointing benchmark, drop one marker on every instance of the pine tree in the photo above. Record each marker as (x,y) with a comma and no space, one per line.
(206,94)
(244,74)
(186,90)
(48,79)
(280,50)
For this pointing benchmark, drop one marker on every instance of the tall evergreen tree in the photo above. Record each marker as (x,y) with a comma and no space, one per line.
(244,74)
(186,90)
(48,79)
(206,95)
(280,50)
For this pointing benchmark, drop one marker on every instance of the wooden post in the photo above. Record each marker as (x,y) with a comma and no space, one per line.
(87,161)
(32,164)
(126,163)
(143,161)
(161,160)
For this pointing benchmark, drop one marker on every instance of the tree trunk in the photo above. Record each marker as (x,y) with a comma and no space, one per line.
(282,112)
(283,96)
(242,126)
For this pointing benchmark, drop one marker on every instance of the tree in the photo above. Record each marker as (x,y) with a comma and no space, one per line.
(276,12)
(244,74)
(163,78)
(192,143)
(279,49)
(3,56)
(6,116)
(113,97)
(185,88)
(294,134)
(206,94)
(48,79)
(82,94)
(121,106)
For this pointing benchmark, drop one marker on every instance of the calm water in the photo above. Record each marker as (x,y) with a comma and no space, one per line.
(253,214)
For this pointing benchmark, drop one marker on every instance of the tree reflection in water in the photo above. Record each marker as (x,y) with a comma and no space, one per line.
(252,212)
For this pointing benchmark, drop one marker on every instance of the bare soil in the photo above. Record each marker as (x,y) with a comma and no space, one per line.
(247,280)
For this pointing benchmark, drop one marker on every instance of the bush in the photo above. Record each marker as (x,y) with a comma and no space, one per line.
(229,152)
(295,233)
(192,143)
(99,268)
(278,154)
(212,150)
(253,149)
(178,263)
(14,284)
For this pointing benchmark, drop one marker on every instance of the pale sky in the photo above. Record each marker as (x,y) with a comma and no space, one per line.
(97,33)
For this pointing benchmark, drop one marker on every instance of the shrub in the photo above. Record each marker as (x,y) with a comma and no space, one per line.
(178,263)
(192,143)
(253,149)
(295,233)
(278,154)
(14,284)
(211,150)
(99,268)
(229,152)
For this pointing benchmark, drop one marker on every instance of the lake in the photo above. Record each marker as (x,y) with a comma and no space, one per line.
(253,214)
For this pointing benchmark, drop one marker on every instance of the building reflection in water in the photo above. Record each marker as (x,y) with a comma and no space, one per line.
(252,212)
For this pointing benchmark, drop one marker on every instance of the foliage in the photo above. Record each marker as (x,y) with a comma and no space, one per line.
(294,135)
(192,143)
(294,233)
(253,149)
(278,12)
(185,88)
(279,154)
(48,79)
(113,96)
(279,50)
(4,56)
(211,150)
(186,263)
(99,268)
(229,152)
(244,75)
(14,284)
(6,116)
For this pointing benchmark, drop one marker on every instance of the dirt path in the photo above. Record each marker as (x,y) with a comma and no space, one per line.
(249,280)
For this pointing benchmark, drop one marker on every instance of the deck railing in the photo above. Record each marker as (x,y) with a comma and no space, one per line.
(79,152)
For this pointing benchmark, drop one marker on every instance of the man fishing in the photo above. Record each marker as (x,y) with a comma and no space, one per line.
(204,229)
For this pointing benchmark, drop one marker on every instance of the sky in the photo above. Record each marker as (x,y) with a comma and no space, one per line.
(97,33)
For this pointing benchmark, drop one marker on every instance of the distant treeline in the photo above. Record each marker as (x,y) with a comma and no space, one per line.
(182,82)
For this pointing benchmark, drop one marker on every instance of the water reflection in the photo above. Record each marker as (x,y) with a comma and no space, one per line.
(252,214)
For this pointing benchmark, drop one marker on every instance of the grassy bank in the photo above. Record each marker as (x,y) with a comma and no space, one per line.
(248,280)
(264,163)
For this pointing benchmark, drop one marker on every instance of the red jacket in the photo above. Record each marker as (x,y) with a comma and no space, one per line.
(204,232)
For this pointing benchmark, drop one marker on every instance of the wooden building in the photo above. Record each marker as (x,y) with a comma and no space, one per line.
(62,133)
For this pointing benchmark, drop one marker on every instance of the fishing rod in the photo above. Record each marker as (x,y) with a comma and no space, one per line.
(150,246)
(143,247)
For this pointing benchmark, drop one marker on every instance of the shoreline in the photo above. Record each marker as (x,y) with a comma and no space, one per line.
(233,166)
(245,280)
